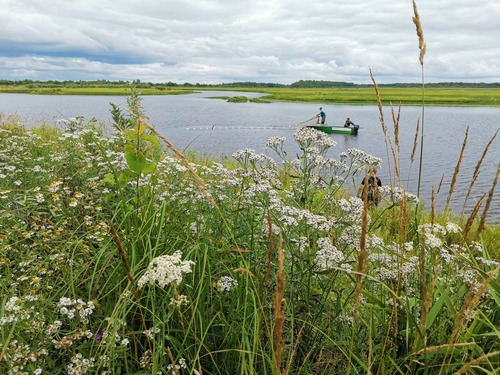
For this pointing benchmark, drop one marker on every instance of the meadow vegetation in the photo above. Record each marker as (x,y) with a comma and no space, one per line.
(342,95)
(121,255)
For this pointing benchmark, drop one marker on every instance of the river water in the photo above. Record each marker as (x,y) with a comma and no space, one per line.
(216,127)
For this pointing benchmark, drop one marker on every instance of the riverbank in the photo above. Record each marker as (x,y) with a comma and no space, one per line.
(357,95)
(120,256)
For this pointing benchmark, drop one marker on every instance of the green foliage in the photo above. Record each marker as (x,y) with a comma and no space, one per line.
(445,93)
(141,148)
(82,228)
(237,99)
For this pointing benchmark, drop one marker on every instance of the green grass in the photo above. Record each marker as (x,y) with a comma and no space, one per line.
(366,95)
(124,90)
(83,216)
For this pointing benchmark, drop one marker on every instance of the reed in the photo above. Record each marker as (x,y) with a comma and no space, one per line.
(491,192)
(477,168)
(466,368)
(470,304)
(471,218)
(382,124)
(422,47)
(279,307)
(457,170)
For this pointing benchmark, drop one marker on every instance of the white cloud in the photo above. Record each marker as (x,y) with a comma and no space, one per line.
(214,41)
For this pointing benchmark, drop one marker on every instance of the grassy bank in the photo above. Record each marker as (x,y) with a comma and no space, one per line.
(121,256)
(365,95)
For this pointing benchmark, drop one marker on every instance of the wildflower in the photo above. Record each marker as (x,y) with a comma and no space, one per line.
(453,228)
(175,368)
(328,255)
(39,197)
(80,365)
(54,186)
(307,135)
(361,159)
(179,300)
(72,308)
(226,283)
(73,202)
(275,142)
(165,269)
(151,332)
(55,197)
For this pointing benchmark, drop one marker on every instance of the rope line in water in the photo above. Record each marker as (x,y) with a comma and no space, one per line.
(240,128)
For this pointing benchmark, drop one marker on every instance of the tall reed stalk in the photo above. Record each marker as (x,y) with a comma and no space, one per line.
(457,170)
(422,47)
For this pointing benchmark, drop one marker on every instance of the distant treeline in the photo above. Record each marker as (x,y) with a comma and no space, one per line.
(299,84)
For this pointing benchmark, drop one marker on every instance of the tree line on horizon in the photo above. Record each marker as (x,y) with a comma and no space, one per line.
(299,84)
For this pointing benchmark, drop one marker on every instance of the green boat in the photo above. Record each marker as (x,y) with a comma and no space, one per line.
(352,130)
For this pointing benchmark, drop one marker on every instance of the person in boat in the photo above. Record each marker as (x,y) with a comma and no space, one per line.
(348,123)
(372,190)
(321,116)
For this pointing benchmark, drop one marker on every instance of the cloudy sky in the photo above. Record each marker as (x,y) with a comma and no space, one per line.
(278,41)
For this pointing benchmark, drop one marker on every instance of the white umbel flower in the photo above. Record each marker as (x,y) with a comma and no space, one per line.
(166,269)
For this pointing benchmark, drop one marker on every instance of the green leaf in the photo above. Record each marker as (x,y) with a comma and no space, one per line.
(151,138)
(136,162)
(149,167)
(129,148)
(141,127)
(109,178)
(130,134)
(436,308)
(123,180)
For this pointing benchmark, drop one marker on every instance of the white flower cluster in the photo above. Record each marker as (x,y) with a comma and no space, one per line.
(166,269)
(175,368)
(361,160)
(398,194)
(353,207)
(179,300)
(249,155)
(327,256)
(80,365)
(73,307)
(17,309)
(433,232)
(226,283)
(292,216)
(307,135)
(150,333)
(275,142)
(388,266)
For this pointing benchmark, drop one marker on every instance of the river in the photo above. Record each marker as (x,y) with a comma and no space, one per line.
(216,127)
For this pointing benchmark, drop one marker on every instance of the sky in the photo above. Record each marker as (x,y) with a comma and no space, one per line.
(271,41)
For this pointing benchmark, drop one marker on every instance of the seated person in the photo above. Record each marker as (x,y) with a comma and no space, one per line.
(348,123)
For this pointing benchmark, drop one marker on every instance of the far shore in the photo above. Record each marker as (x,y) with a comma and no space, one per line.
(358,95)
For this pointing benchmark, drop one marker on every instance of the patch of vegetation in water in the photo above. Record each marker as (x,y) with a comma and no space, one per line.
(237,99)
(259,100)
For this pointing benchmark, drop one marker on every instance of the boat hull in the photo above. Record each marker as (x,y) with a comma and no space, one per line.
(353,130)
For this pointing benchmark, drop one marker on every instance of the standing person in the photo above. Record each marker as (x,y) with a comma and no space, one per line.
(373,187)
(348,123)
(321,115)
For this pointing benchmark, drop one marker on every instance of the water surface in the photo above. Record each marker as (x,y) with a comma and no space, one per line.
(216,127)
